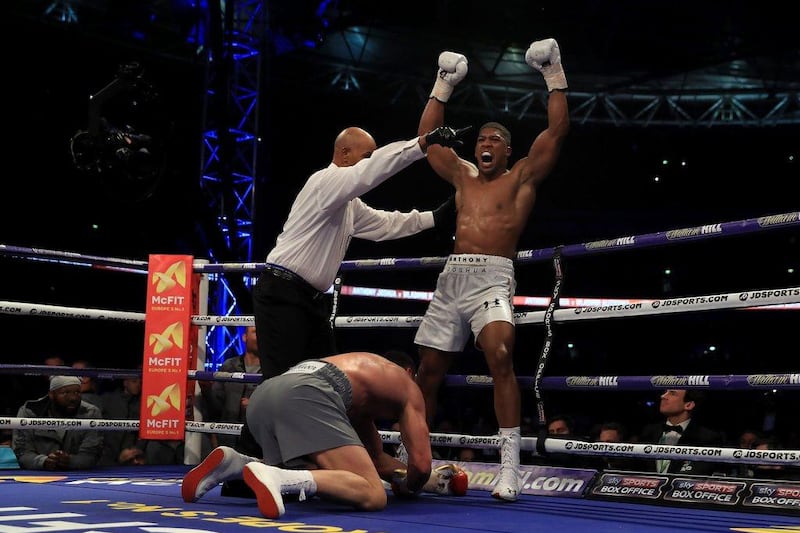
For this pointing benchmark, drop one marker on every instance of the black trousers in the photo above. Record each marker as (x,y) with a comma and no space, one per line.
(292,322)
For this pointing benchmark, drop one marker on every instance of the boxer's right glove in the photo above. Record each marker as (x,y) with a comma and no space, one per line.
(452,69)
(545,57)
(448,480)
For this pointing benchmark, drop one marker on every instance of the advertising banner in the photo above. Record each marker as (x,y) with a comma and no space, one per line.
(168,347)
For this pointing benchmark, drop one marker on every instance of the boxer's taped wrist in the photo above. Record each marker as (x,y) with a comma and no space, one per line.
(554,77)
(441,90)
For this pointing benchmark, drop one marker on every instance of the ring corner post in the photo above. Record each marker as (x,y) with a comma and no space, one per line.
(168,332)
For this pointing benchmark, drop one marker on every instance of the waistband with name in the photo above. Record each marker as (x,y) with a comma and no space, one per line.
(479,260)
(331,373)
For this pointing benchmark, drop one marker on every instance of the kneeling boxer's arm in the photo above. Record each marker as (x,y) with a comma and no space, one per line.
(406,480)
(387,465)
(384,463)
(416,439)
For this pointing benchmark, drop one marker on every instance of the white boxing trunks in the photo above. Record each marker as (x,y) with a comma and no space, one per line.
(472,291)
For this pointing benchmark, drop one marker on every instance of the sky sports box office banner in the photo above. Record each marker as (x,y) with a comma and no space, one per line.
(720,493)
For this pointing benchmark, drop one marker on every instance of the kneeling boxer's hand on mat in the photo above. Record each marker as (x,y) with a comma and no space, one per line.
(400,483)
(407,482)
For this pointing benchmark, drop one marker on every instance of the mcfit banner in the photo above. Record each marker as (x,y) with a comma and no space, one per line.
(168,347)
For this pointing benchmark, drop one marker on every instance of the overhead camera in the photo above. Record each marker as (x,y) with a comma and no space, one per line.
(109,149)
(127,162)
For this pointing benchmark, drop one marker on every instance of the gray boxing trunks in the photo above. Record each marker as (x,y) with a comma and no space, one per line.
(302,411)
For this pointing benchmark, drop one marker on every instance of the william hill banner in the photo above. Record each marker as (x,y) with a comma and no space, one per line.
(168,347)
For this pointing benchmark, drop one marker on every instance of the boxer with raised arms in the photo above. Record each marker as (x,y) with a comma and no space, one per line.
(474,291)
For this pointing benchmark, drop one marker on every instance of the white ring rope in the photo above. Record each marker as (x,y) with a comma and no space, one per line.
(57,311)
(452,440)
(683,304)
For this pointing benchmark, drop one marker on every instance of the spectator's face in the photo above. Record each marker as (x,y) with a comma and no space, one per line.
(446,426)
(558,427)
(609,435)
(467,454)
(673,402)
(86,381)
(67,399)
(251,340)
(747,439)
(133,386)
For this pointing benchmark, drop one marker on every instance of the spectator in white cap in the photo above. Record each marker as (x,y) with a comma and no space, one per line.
(65,447)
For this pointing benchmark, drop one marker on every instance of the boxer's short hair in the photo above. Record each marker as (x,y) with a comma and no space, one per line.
(502,129)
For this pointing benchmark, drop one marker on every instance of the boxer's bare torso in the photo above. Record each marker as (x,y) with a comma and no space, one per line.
(492,211)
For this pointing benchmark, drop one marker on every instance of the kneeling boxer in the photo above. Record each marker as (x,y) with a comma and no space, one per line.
(315,424)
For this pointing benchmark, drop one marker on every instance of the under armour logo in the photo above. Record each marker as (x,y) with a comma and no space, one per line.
(494,303)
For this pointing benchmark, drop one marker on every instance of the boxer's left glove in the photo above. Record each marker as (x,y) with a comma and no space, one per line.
(449,480)
(545,56)
(447,136)
(400,483)
(453,68)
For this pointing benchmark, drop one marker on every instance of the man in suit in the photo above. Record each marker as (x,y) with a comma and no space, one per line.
(678,407)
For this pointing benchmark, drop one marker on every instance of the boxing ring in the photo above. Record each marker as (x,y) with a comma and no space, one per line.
(142,499)
(148,498)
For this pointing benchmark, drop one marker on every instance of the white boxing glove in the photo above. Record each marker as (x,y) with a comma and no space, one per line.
(448,480)
(545,57)
(452,69)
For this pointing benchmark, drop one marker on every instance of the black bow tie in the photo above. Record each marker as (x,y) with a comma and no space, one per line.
(677,429)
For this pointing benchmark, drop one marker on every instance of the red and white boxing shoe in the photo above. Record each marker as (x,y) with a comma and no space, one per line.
(222,464)
(265,481)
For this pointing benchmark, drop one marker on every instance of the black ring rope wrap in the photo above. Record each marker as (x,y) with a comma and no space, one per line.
(337,290)
(548,343)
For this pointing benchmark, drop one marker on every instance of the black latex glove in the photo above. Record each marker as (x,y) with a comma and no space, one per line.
(444,220)
(445,214)
(447,136)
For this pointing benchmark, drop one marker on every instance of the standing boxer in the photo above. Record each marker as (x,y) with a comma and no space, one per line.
(474,291)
